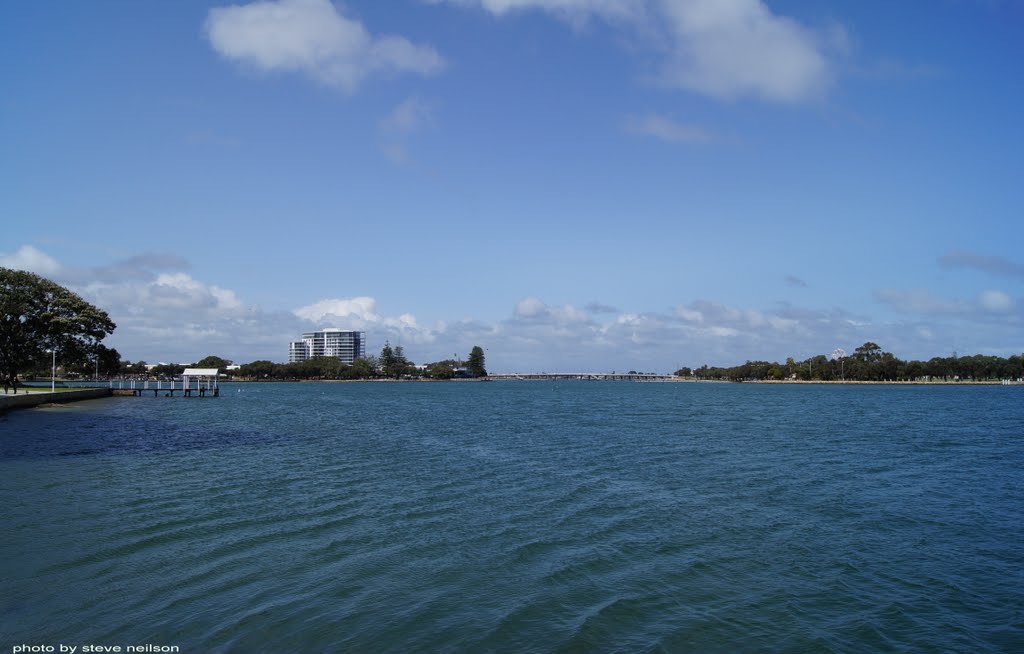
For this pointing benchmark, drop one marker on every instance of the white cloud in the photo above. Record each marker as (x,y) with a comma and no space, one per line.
(568,313)
(30,259)
(739,48)
(572,9)
(530,307)
(782,324)
(193,293)
(315,38)
(666,129)
(724,332)
(360,308)
(361,313)
(165,299)
(995,301)
(726,49)
(689,315)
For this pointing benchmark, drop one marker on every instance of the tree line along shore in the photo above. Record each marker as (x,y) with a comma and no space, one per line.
(868,363)
(392,363)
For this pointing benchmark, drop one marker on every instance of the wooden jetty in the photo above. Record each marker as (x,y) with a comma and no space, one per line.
(195,382)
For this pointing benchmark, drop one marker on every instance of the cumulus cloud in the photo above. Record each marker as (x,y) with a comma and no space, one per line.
(721,319)
(361,313)
(1000,266)
(360,308)
(726,49)
(176,317)
(532,308)
(175,301)
(666,129)
(739,48)
(690,334)
(31,259)
(315,38)
(688,314)
(572,9)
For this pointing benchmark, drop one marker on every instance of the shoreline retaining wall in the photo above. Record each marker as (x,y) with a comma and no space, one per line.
(29,400)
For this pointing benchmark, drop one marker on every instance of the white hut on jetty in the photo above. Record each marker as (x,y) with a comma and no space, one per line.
(205,380)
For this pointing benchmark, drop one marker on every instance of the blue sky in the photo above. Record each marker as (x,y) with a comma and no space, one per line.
(580,185)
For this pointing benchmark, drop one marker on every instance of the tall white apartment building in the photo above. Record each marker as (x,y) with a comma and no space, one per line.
(340,343)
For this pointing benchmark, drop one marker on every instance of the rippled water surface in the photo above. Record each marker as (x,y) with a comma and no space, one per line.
(519,516)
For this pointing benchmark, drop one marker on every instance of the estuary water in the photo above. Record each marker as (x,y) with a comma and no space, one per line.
(519,517)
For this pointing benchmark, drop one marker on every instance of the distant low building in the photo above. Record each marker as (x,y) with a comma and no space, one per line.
(345,345)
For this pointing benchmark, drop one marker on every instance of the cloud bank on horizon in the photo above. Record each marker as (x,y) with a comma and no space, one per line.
(165,314)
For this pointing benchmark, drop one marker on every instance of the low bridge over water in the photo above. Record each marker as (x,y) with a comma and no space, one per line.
(590,376)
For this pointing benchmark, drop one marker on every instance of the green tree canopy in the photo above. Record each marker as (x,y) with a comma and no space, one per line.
(475,364)
(869,352)
(38,315)
(387,357)
(213,362)
(167,370)
(393,362)
(109,361)
(440,370)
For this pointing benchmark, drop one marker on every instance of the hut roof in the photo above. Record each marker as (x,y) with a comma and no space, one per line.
(201,372)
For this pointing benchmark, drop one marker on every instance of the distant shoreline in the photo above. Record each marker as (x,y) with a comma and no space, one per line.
(677,380)
(960,382)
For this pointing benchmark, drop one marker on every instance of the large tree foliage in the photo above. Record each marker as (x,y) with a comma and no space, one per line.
(36,316)
(475,364)
(104,362)
(393,362)
(213,362)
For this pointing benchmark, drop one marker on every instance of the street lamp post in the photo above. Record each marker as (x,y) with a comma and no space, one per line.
(53,371)
(840,354)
